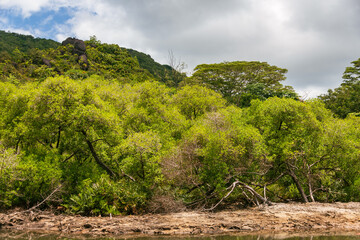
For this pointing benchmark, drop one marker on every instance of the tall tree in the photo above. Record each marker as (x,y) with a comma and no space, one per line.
(241,81)
(217,152)
(346,98)
(307,146)
(194,101)
(65,117)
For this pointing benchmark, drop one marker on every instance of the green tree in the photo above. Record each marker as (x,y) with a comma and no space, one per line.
(305,145)
(148,107)
(219,150)
(66,117)
(139,155)
(346,98)
(8,165)
(194,101)
(241,81)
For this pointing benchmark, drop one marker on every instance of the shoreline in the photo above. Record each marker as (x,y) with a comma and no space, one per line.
(288,218)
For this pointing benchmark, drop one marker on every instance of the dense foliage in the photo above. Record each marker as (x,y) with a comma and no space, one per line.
(240,82)
(105,136)
(10,41)
(107,60)
(346,98)
(163,73)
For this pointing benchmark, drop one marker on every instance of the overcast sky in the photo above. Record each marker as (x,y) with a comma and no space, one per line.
(314,39)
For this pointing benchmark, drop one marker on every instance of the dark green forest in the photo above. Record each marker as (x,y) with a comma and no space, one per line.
(96,129)
(10,41)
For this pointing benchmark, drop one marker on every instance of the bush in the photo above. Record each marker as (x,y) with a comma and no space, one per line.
(105,197)
(8,165)
(26,181)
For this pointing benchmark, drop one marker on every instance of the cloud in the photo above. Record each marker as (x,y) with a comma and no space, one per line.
(4,20)
(25,7)
(19,30)
(314,40)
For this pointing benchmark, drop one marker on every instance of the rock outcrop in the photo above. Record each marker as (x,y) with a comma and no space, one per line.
(79,49)
(79,45)
(46,62)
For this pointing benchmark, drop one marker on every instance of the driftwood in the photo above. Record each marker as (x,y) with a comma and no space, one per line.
(247,187)
(42,202)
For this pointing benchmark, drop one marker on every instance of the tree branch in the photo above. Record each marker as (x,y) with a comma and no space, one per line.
(233,185)
(96,157)
(45,200)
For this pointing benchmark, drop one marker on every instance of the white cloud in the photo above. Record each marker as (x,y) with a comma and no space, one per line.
(4,20)
(311,91)
(20,31)
(314,40)
(26,7)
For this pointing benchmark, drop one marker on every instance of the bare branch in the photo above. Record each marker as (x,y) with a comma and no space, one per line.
(45,200)
(233,185)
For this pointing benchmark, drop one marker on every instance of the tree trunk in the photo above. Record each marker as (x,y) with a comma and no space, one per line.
(257,195)
(311,191)
(298,185)
(96,157)
(58,138)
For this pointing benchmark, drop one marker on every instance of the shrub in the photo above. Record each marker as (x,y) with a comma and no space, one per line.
(105,197)
(25,181)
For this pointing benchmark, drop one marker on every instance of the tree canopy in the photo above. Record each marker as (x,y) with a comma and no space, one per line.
(101,134)
(239,82)
(346,98)
(10,41)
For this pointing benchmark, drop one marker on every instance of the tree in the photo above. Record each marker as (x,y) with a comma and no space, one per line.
(65,117)
(147,106)
(346,98)
(139,155)
(241,81)
(215,153)
(306,146)
(194,101)
(8,165)
(177,67)
(13,105)
(352,74)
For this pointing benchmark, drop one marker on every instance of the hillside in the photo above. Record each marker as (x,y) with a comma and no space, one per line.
(43,55)
(9,41)
(164,73)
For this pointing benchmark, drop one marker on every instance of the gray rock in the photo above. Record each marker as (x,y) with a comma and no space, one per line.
(79,45)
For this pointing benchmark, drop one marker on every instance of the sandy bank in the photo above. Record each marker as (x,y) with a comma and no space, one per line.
(294,217)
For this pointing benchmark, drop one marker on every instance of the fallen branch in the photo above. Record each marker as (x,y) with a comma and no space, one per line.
(233,185)
(247,187)
(126,175)
(250,189)
(43,201)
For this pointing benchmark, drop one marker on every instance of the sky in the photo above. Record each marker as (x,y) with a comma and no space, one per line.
(314,39)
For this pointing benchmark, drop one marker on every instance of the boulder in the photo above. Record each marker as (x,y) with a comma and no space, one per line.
(83,61)
(79,49)
(46,62)
(79,45)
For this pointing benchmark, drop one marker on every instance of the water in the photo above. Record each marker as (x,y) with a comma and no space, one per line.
(31,236)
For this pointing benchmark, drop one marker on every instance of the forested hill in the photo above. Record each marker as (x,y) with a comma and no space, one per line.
(22,48)
(165,73)
(9,41)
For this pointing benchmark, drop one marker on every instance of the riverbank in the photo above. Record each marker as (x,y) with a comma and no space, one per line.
(290,217)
